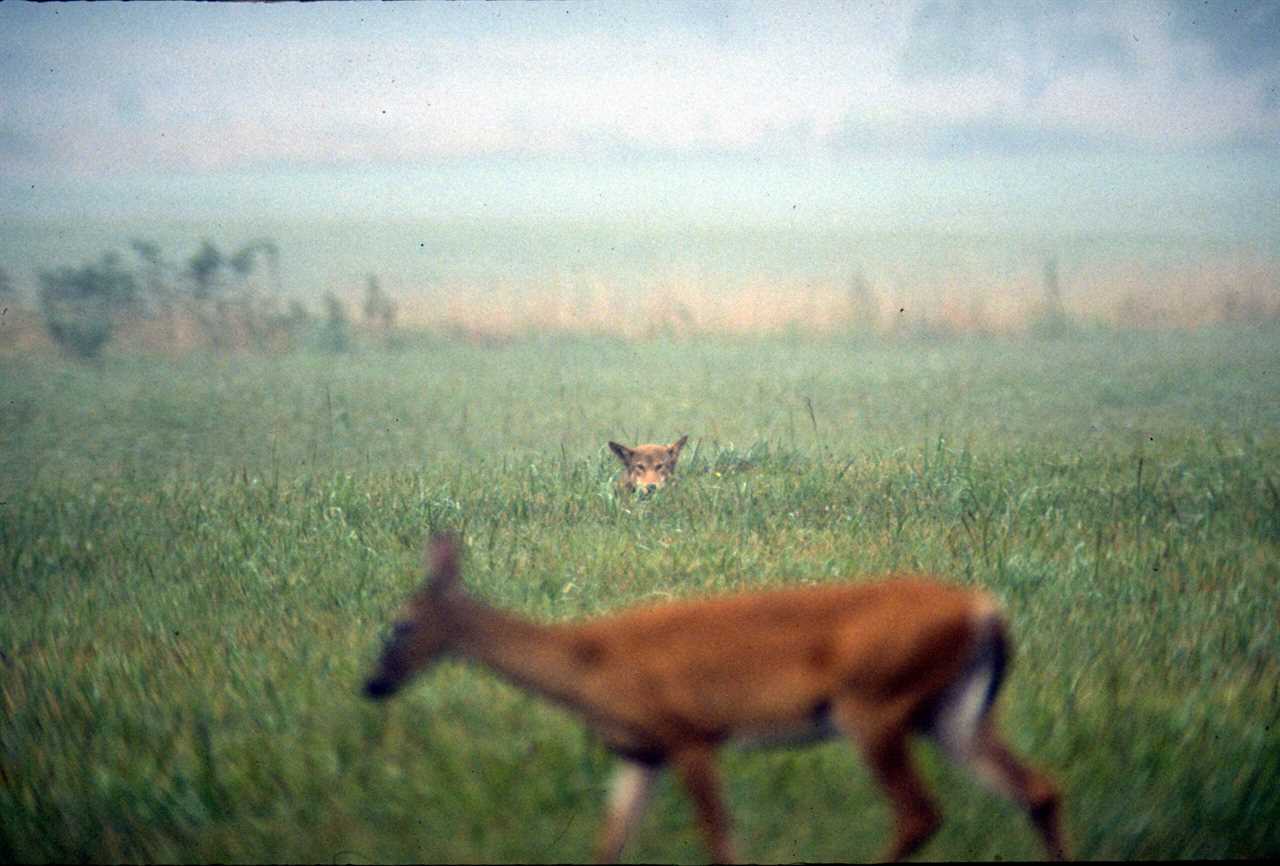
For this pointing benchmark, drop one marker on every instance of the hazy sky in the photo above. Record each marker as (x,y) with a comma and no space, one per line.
(976,115)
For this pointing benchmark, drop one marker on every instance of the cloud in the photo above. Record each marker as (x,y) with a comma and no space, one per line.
(964,136)
(1243,37)
(961,37)
(217,89)
(18,145)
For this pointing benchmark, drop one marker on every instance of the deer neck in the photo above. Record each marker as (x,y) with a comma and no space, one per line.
(534,656)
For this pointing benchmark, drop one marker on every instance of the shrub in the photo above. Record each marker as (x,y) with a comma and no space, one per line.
(81,305)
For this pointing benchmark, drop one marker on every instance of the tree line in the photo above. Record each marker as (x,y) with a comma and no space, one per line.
(232,300)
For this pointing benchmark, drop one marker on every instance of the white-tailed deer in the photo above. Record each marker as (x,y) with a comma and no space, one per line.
(668,684)
(647,467)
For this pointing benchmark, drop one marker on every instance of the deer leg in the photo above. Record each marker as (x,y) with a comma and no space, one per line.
(915,816)
(628,797)
(963,724)
(885,748)
(698,773)
(996,766)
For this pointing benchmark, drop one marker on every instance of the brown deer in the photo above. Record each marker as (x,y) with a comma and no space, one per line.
(667,685)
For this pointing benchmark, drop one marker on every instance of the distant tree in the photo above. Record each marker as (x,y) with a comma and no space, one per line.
(259,312)
(241,263)
(152,259)
(379,307)
(863,305)
(1052,323)
(297,317)
(246,306)
(81,305)
(271,252)
(244,261)
(8,295)
(207,301)
(336,334)
(148,251)
(1052,288)
(205,268)
(159,295)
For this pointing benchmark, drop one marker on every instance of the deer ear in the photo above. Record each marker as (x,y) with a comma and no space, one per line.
(440,559)
(679,445)
(623,452)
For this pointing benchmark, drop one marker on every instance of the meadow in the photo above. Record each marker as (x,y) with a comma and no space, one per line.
(199,557)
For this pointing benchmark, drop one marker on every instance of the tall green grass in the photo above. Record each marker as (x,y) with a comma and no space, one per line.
(198,559)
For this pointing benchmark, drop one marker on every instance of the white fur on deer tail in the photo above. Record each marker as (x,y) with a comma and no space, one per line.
(962,709)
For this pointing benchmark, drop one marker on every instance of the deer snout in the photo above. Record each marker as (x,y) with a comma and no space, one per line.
(379,689)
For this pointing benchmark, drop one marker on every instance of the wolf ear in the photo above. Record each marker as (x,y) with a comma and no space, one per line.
(623,452)
(440,560)
(679,444)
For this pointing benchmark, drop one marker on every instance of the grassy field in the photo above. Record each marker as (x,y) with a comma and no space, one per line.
(198,558)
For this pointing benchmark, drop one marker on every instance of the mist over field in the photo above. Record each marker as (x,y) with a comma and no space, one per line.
(940,153)
(986,291)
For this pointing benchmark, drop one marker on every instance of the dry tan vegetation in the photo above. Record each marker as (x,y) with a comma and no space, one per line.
(1128,296)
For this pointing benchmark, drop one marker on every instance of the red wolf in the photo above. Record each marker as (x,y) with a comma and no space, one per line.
(647,467)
